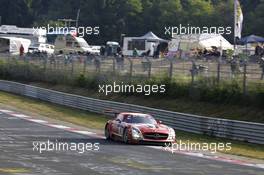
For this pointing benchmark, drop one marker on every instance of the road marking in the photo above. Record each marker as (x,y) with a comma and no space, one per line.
(84,132)
(37,121)
(20,115)
(58,126)
(211,157)
(6,111)
(260,165)
(46,123)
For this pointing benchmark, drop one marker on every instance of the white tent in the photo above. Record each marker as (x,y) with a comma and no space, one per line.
(217,40)
(188,42)
(151,37)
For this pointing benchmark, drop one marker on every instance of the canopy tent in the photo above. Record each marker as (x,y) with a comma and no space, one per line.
(252,39)
(151,37)
(144,43)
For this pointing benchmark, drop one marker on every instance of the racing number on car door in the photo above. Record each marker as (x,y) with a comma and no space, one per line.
(120,129)
(115,127)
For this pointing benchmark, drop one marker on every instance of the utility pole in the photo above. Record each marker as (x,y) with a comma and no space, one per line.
(235,24)
(121,39)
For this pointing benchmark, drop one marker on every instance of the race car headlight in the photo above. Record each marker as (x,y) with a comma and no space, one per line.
(136,134)
(171,134)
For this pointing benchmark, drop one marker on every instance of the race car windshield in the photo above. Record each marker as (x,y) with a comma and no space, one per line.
(141,119)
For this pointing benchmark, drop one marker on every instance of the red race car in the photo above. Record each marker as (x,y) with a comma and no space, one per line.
(138,128)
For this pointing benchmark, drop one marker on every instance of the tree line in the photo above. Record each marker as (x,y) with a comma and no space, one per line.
(133,17)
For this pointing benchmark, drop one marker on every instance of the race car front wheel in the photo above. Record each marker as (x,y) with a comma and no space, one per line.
(107,133)
(125,136)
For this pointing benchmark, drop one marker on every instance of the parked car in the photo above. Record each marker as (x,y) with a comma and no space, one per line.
(41,47)
(96,50)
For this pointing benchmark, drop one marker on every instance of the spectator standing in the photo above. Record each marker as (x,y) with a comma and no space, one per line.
(152,49)
(157,51)
(89,58)
(97,63)
(262,51)
(66,59)
(118,50)
(102,51)
(262,67)
(120,61)
(21,50)
(194,70)
(71,57)
(135,52)
(258,50)
(234,67)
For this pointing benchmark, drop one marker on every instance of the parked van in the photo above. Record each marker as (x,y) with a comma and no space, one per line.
(112,48)
(12,45)
(70,43)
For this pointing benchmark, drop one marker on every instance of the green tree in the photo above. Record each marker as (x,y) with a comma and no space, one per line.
(254,22)
(15,12)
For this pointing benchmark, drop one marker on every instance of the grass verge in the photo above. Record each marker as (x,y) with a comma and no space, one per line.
(54,111)
(184,105)
(96,121)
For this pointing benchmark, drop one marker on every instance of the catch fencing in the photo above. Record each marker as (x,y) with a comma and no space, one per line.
(248,74)
(231,129)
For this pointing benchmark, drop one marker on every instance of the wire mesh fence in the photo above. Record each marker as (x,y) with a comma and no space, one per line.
(249,74)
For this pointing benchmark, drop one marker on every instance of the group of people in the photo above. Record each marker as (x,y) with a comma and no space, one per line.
(81,57)
(110,51)
(259,50)
(261,63)
(236,64)
(153,51)
(206,54)
(88,58)
(259,53)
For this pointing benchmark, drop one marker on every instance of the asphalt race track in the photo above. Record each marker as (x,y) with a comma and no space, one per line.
(17,156)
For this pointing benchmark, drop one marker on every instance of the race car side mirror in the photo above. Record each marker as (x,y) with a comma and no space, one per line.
(159,122)
(118,120)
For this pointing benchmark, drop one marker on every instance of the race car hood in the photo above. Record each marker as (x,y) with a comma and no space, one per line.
(152,128)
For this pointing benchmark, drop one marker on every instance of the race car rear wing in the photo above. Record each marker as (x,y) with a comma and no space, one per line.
(111,112)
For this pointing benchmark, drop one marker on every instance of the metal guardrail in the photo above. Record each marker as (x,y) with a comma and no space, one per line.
(231,129)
